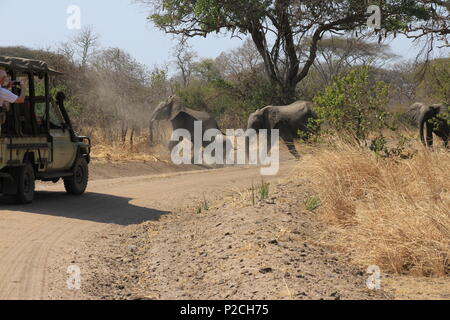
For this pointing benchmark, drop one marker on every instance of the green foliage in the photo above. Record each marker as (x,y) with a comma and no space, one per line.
(313,203)
(354,105)
(440,119)
(72,107)
(230,99)
(201,17)
(380,147)
(263,190)
(435,82)
(286,21)
(203,206)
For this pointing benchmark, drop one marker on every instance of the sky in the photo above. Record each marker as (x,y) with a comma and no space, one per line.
(120,23)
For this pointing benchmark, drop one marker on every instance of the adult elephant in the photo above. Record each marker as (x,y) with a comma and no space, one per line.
(431,118)
(290,120)
(181,117)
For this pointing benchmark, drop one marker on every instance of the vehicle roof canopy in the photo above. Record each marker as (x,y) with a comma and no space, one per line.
(26,65)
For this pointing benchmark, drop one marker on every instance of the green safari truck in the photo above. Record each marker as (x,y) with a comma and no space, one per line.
(37,140)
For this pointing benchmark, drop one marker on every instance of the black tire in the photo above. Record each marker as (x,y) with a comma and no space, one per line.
(25,184)
(77,184)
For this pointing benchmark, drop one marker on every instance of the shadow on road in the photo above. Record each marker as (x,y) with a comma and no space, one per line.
(94,207)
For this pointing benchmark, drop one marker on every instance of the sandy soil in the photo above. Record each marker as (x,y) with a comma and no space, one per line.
(101,169)
(231,251)
(142,236)
(37,241)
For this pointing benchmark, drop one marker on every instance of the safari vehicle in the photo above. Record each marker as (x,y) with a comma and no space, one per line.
(37,140)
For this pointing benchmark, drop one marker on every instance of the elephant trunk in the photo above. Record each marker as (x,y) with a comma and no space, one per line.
(150,132)
(422,128)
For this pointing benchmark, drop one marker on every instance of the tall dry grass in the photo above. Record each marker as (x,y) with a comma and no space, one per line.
(117,150)
(387,212)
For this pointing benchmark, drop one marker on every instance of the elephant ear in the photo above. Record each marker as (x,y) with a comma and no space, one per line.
(176,107)
(272,117)
(416,112)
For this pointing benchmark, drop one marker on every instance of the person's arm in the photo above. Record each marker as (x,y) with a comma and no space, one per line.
(21,99)
(8,96)
(11,97)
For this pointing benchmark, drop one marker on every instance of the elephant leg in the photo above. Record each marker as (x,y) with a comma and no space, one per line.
(445,138)
(429,137)
(172,144)
(288,138)
(444,133)
(194,151)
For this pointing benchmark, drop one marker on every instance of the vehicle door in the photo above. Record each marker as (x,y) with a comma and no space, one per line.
(63,149)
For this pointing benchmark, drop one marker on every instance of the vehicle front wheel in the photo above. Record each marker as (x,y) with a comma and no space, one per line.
(77,184)
(25,184)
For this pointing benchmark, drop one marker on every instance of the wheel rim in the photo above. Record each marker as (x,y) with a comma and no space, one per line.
(79,175)
(27,183)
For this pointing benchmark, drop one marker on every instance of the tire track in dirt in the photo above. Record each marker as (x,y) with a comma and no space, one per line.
(36,240)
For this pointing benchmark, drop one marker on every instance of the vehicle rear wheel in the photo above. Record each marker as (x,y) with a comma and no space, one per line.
(77,184)
(25,184)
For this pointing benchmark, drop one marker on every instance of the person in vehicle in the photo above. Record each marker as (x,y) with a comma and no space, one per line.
(8,96)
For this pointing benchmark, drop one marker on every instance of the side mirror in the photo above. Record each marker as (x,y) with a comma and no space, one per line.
(60,97)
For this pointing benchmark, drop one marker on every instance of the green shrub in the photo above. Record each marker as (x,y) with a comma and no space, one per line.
(354,105)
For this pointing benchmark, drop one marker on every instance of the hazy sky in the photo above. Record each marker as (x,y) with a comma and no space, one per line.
(120,23)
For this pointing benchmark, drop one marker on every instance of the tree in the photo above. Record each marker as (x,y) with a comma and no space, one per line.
(184,59)
(277,27)
(241,61)
(80,47)
(336,55)
(436,29)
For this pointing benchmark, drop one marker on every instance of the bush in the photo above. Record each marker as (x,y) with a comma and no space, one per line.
(354,105)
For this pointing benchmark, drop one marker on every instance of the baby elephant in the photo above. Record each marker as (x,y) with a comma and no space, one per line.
(290,120)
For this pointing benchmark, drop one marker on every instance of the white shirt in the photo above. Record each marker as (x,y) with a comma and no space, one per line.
(8,96)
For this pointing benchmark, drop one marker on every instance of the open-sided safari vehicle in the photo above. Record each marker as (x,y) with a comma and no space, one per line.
(37,141)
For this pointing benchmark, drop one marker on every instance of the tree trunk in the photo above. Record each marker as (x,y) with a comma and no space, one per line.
(132,138)
(288,91)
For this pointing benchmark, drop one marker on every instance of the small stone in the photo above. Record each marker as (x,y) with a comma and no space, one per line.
(266,270)
(336,295)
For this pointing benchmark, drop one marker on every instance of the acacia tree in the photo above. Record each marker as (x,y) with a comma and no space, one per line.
(277,27)
(436,30)
(336,55)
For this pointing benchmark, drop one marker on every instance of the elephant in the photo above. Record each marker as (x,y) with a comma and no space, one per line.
(427,116)
(290,120)
(181,117)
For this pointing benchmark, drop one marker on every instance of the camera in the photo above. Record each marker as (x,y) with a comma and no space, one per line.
(16,83)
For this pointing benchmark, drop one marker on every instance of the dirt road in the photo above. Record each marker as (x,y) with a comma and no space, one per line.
(36,239)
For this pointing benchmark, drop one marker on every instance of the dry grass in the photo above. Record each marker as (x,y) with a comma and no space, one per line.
(117,151)
(388,212)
